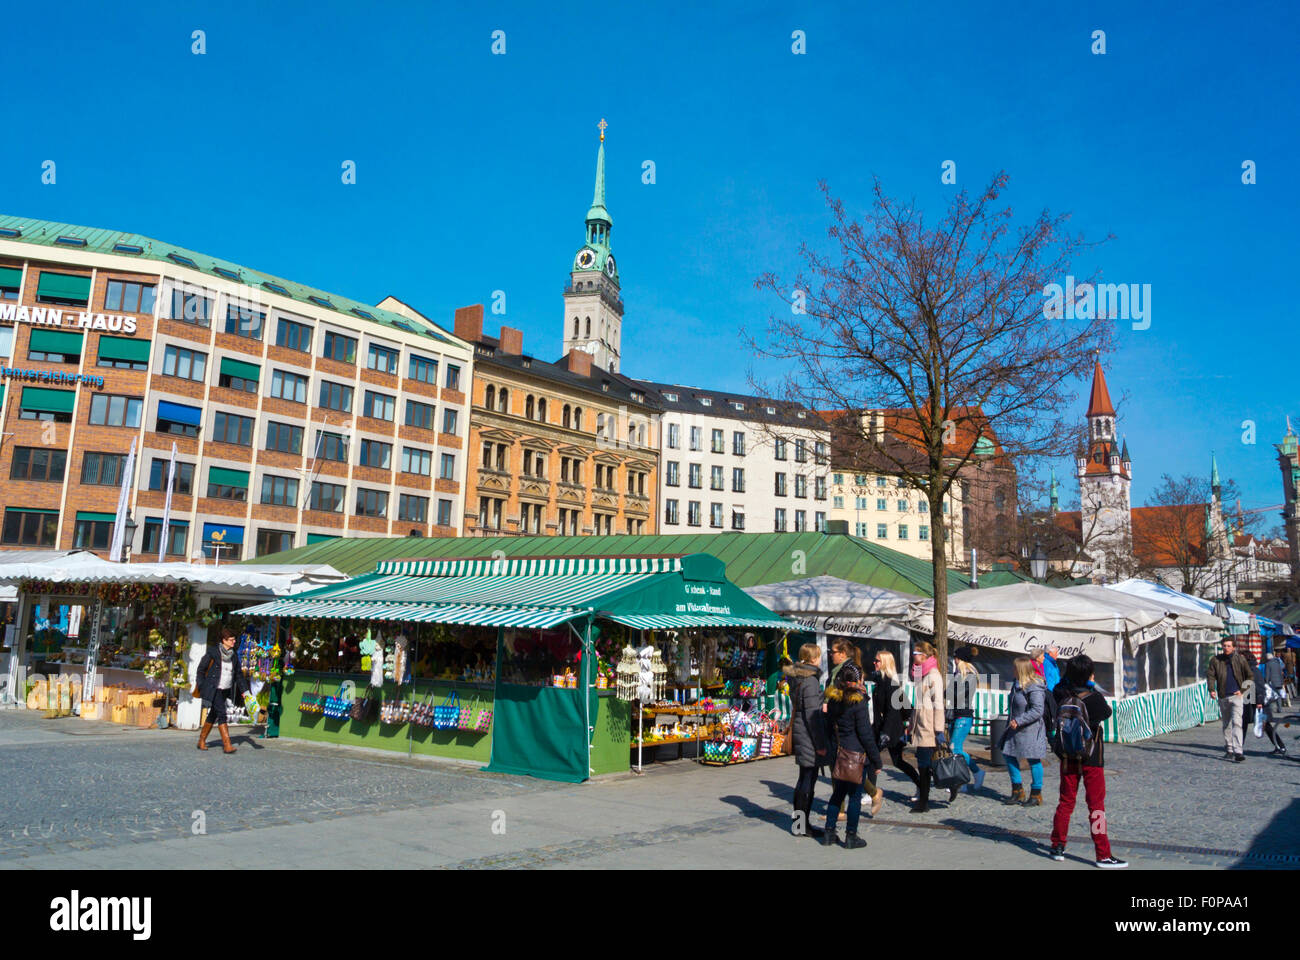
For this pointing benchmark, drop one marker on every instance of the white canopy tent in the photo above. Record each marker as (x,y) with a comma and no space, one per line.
(1157,593)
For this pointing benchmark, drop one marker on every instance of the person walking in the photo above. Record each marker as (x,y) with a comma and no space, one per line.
(219,677)
(1272,680)
(1046,666)
(1026,736)
(855,753)
(1080,706)
(1228,677)
(927,730)
(890,718)
(964,688)
(807,731)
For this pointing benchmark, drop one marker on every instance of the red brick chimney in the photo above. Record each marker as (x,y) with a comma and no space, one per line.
(580,362)
(512,340)
(469,323)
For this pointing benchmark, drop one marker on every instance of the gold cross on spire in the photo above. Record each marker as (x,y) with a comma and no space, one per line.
(602,126)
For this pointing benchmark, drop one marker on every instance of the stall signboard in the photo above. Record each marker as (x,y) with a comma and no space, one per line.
(703,598)
(1098,646)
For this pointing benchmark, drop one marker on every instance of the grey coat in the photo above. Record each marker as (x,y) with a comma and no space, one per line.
(807,726)
(1025,706)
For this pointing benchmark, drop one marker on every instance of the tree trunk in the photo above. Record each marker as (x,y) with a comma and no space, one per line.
(939,559)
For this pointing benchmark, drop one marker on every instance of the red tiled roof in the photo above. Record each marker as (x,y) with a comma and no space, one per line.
(1169,536)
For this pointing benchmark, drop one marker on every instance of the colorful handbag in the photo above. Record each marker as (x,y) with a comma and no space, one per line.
(717,751)
(422,713)
(312,701)
(339,706)
(483,723)
(447,714)
(465,721)
(363,708)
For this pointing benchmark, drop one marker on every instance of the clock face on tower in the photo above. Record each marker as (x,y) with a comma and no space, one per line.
(609,265)
(585,259)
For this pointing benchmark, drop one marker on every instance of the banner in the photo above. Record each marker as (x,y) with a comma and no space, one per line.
(167,507)
(123,504)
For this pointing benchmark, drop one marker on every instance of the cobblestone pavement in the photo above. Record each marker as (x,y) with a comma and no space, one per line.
(82,794)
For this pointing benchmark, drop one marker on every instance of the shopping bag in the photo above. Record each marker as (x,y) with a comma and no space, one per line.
(483,722)
(447,714)
(950,770)
(312,701)
(466,719)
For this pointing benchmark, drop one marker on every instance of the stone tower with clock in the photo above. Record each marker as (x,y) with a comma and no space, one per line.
(593,308)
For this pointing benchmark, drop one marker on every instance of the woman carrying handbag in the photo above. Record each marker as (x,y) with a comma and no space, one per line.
(855,755)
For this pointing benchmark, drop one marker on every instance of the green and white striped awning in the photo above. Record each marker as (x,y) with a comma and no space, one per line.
(526,567)
(478,615)
(676,622)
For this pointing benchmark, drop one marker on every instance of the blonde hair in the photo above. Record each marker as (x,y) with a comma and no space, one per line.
(925,648)
(887,665)
(963,666)
(810,653)
(1025,675)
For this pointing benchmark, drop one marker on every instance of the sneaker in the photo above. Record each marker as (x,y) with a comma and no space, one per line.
(979,780)
(1239,758)
(1057,852)
(1112,863)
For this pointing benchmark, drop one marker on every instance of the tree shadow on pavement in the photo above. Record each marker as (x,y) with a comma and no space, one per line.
(1278,844)
(984,831)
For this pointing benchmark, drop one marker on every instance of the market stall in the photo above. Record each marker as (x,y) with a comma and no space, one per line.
(553,632)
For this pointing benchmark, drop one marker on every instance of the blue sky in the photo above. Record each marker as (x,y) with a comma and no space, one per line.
(474,170)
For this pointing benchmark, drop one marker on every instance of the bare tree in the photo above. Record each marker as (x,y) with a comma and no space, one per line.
(1172,538)
(945,326)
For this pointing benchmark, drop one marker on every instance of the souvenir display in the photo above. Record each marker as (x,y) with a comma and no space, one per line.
(339,706)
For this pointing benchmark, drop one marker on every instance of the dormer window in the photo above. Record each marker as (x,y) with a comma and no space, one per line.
(671,397)
(771,411)
(738,405)
(706,401)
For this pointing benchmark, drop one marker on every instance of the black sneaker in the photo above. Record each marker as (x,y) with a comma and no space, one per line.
(1057,852)
(1239,758)
(1112,863)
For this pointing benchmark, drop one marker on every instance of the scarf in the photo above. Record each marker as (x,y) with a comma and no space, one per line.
(227,655)
(928,664)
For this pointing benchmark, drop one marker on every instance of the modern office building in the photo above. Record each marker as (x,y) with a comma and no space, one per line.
(295,414)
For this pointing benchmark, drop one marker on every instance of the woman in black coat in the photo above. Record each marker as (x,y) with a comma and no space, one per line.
(890,723)
(807,731)
(219,677)
(846,711)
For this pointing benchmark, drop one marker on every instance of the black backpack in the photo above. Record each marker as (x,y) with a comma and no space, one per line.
(1073,740)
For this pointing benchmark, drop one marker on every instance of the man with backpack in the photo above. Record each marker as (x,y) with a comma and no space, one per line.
(1080,713)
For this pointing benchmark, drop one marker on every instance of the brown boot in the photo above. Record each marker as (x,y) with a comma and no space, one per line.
(225,739)
(203,736)
(1017,795)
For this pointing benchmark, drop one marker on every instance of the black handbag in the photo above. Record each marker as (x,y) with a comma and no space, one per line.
(950,770)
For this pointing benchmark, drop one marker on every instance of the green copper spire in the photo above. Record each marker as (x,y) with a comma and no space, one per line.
(598,212)
(1214,475)
(1054,492)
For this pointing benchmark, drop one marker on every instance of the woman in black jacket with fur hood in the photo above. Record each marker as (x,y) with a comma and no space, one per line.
(846,712)
(807,731)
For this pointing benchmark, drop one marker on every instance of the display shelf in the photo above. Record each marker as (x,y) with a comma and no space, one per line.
(734,763)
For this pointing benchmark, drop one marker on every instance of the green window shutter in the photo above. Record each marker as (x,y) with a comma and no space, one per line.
(63,286)
(228,478)
(56,341)
(237,368)
(50,513)
(123,348)
(2,397)
(319,538)
(49,401)
(10,276)
(98,517)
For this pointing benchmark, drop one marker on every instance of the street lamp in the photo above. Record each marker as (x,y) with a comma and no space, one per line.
(1038,563)
(128,531)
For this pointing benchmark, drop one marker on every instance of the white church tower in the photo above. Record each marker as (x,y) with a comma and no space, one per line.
(1105,476)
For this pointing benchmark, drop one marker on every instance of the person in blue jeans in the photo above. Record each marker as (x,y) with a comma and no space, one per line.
(965,685)
(1026,736)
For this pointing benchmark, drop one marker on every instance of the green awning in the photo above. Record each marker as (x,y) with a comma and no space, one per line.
(311,537)
(63,286)
(237,368)
(97,517)
(46,400)
(125,349)
(11,276)
(56,341)
(228,478)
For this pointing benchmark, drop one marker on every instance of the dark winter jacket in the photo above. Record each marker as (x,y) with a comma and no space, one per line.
(209,675)
(960,694)
(807,729)
(846,715)
(1275,673)
(1216,677)
(1098,713)
(887,699)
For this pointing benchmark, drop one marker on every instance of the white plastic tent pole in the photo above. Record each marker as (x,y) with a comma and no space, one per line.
(1171,646)
(1119,665)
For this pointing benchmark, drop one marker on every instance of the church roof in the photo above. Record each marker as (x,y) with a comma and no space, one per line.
(1165,536)
(1099,404)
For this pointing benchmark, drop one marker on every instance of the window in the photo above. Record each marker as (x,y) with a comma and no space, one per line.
(279,491)
(737,519)
(882,531)
(715,478)
(674,436)
(381,406)
(129,297)
(417,461)
(331,446)
(40,403)
(113,411)
(289,386)
(237,375)
(738,443)
(904,506)
(693,513)
(902,531)
(158,471)
(190,306)
(11,279)
(444,513)
(671,512)
(30,528)
(819,521)
(801,451)
(837,503)
(103,469)
(819,452)
(881,503)
(419,414)
(719,444)
(800,521)
(819,488)
(123,353)
(413,508)
(54,346)
(38,463)
(453,377)
(780,484)
(335,396)
(244,322)
(327,497)
(372,503)
(880,481)
(693,475)
(447,470)
(186,364)
(423,369)
(226,484)
(448,420)
(800,485)
(945,506)
(178,534)
(293,336)
(923,532)
(780,448)
(860,530)
(232,428)
(780,520)
(839,479)
(283,437)
(376,453)
(93,531)
(382,359)
(340,348)
(737,479)
(6,340)
(697,438)
(63,289)
(673,474)
(273,541)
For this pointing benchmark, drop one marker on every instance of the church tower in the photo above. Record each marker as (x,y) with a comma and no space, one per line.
(1105,475)
(593,308)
